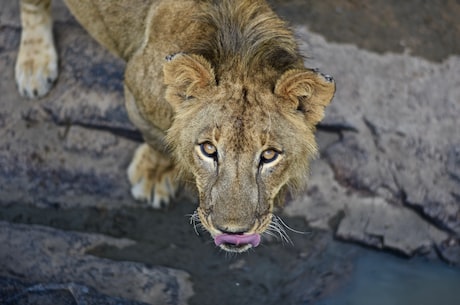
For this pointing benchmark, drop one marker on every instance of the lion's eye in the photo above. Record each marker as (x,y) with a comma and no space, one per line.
(269,155)
(209,150)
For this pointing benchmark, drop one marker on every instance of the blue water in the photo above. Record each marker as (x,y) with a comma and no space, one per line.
(381,279)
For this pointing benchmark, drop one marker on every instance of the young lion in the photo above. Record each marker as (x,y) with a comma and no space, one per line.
(218,90)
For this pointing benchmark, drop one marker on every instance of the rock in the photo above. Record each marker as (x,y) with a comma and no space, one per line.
(373,221)
(402,154)
(72,147)
(45,255)
(13,291)
(449,251)
(363,218)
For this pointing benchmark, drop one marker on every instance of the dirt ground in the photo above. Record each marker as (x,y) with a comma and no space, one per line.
(315,265)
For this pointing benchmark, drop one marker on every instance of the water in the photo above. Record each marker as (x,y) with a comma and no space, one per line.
(380,279)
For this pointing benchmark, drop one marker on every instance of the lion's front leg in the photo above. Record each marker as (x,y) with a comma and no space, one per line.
(36,65)
(152,176)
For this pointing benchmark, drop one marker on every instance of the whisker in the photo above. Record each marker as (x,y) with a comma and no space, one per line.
(269,232)
(289,228)
(276,227)
(284,234)
(195,221)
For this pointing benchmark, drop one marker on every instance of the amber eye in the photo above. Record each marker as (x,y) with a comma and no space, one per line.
(269,155)
(209,150)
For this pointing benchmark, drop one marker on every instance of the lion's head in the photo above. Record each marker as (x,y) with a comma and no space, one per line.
(243,141)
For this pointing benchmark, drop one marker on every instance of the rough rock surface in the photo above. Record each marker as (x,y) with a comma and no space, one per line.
(394,177)
(15,292)
(41,254)
(72,145)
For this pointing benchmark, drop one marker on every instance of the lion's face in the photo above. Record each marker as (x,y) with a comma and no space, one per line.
(242,142)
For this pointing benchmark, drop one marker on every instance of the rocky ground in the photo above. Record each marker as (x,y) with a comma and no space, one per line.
(388,176)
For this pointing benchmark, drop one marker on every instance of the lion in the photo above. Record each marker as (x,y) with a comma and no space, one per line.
(218,90)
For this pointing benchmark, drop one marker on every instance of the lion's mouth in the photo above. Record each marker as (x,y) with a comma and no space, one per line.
(237,242)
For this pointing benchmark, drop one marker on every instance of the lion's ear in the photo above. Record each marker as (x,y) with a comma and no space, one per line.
(186,77)
(308,90)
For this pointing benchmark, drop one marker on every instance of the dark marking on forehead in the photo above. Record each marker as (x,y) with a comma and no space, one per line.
(245,95)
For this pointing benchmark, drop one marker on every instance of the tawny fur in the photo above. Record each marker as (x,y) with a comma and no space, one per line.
(222,72)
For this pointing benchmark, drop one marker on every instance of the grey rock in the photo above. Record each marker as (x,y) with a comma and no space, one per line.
(363,218)
(45,255)
(375,222)
(72,147)
(16,292)
(449,250)
(403,152)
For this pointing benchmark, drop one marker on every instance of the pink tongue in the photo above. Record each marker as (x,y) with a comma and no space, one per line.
(236,239)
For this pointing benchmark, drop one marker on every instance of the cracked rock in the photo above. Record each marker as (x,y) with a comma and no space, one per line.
(374,222)
(17,292)
(402,158)
(40,254)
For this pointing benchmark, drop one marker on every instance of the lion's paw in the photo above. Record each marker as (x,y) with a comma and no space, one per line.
(152,177)
(37,63)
